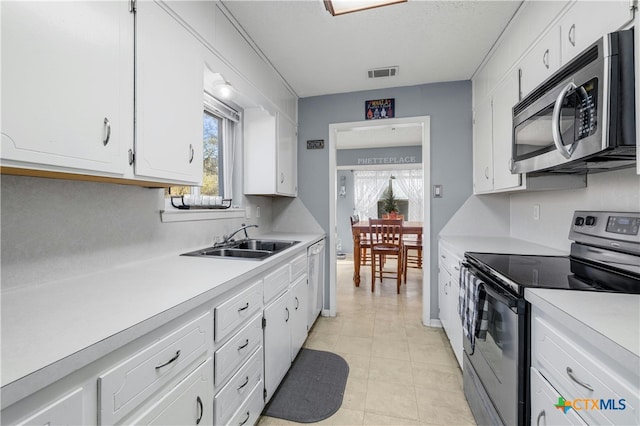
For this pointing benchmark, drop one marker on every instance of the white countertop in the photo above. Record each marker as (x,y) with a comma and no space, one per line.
(68,324)
(461,244)
(613,315)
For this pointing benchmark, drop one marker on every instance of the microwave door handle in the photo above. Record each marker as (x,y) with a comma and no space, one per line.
(555,122)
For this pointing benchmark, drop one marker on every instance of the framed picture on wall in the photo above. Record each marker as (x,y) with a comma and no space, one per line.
(379,109)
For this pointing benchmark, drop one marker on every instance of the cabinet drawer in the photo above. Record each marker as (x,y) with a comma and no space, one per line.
(450,261)
(298,267)
(276,282)
(232,313)
(249,412)
(238,389)
(124,387)
(565,364)
(543,400)
(188,403)
(233,353)
(67,410)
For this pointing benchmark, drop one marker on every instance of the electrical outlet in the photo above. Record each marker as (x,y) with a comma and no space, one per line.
(258,212)
(536,212)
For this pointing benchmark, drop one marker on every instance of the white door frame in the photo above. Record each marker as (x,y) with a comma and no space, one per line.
(334,129)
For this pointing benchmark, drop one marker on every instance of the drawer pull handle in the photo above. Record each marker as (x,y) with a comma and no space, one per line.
(246,343)
(168,362)
(201,407)
(287,320)
(245,307)
(245,420)
(297,303)
(578,381)
(541,415)
(246,382)
(443,256)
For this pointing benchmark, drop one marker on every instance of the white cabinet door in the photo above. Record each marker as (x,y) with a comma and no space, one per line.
(504,98)
(277,343)
(483,148)
(270,154)
(443,289)
(455,325)
(542,61)
(287,157)
(190,402)
(169,96)
(67,86)
(259,152)
(298,307)
(587,21)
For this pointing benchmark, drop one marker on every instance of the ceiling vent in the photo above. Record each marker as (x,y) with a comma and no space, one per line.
(383,72)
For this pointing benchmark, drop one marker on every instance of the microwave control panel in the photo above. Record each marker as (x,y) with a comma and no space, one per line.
(585,100)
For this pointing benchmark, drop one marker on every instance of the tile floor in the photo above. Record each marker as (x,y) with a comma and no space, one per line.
(401,372)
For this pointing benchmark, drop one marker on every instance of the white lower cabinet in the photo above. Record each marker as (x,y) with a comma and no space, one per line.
(600,379)
(277,343)
(237,390)
(127,385)
(249,411)
(190,402)
(298,305)
(544,399)
(449,294)
(67,410)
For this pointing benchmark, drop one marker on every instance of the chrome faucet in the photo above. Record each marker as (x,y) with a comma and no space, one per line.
(226,239)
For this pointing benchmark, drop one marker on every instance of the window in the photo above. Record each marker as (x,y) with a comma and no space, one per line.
(369,188)
(219,121)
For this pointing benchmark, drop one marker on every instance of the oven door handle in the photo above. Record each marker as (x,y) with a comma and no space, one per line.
(504,298)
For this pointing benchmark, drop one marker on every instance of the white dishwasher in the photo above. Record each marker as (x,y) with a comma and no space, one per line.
(315,261)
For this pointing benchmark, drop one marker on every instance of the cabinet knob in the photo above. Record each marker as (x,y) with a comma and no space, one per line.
(107,131)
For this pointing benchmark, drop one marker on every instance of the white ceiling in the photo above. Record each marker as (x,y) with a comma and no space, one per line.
(319,54)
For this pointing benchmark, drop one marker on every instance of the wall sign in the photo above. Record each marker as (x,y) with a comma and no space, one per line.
(387,160)
(379,108)
(315,144)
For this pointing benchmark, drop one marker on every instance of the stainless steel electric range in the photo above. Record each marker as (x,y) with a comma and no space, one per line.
(605,257)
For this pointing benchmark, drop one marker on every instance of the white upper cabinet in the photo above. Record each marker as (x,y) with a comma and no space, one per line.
(587,21)
(542,61)
(169,98)
(504,98)
(67,86)
(483,148)
(270,166)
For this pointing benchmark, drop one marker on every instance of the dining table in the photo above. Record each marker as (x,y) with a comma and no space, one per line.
(361,228)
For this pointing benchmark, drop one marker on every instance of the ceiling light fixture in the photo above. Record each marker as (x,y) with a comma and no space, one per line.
(340,7)
(225,91)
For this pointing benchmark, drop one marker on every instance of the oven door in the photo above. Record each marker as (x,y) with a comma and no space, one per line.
(498,357)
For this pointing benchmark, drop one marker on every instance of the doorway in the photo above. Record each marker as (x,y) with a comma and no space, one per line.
(335,131)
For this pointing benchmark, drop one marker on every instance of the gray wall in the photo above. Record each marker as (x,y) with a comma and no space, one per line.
(344,209)
(448,105)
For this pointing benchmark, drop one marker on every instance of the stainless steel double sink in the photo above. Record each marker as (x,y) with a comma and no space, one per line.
(248,249)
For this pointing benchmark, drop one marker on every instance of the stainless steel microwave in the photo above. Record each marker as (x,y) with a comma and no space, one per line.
(582,118)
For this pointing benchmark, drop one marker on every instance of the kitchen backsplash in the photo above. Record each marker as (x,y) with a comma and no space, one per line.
(613,191)
(55,229)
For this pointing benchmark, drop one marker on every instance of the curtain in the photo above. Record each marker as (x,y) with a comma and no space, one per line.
(369,187)
(409,182)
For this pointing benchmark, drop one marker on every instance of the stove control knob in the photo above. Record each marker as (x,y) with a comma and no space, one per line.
(579,221)
(591,220)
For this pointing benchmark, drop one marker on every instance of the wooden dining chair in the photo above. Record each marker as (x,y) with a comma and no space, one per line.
(411,260)
(386,240)
(365,240)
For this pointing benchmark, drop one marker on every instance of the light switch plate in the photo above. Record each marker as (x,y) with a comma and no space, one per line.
(437,191)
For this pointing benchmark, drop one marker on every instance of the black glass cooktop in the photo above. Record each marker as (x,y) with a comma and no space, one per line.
(561,272)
